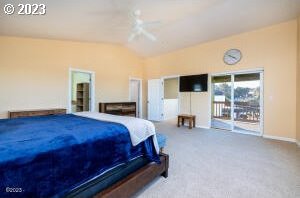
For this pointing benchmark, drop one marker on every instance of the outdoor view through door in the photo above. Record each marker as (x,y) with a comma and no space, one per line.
(236,102)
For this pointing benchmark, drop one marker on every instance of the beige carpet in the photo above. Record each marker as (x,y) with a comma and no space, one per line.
(212,163)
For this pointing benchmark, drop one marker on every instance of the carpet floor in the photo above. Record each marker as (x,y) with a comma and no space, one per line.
(219,164)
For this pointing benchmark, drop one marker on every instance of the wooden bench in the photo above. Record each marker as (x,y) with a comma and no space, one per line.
(191,118)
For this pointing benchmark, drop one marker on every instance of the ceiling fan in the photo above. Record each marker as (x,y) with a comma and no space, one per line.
(138,28)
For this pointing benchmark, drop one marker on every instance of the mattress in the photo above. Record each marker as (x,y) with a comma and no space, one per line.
(91,188)
(47,156)
(101,182)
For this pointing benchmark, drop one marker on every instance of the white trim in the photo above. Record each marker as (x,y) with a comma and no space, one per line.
(232,77)
(92,73)
(171,118)
(202,127)
(168,77)
(209,86)
(246,71)
(262,105)
(140,94)
(237,131)
(246,133)
(279,138)
(198,126)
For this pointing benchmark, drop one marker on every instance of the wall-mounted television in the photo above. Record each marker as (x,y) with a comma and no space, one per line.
(193,83)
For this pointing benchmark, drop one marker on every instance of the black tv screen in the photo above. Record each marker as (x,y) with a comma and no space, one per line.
(194,83)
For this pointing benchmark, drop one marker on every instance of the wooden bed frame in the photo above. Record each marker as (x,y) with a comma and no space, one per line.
(126,187)
(131,184)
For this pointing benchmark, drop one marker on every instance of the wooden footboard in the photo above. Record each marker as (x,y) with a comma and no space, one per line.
(128,186)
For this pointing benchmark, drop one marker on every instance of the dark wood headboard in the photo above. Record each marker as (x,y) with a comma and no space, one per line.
(118,108)
(35,112)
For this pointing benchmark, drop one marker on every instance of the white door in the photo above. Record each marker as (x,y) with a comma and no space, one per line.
(135,94)
(155,99)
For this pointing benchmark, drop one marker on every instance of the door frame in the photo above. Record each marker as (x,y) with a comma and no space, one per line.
(140,94)
(163,78)
(232,73)
(92,88)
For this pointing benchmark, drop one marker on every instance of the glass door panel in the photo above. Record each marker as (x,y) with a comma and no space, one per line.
(221,102)
(246,111)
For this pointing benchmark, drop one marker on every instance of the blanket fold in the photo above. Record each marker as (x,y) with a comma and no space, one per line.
(139,129)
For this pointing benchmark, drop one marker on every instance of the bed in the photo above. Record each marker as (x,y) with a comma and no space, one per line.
(75,156)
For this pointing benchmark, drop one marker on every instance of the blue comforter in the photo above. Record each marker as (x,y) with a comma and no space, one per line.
(47,156)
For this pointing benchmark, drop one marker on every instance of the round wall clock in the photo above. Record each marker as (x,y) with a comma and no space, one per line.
(232,56)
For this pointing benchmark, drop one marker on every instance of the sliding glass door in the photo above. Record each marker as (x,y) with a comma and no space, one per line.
(221,102)
(247,103)
(237,102)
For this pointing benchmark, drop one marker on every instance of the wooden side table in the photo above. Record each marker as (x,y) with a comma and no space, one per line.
(191,118)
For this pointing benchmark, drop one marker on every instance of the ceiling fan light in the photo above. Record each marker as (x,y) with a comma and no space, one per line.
(137,12)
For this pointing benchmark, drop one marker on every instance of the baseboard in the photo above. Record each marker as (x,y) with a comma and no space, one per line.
(198,126)
(171,118)
(202,127)
(280,138)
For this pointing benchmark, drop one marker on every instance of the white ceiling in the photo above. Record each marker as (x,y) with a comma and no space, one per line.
(183,22)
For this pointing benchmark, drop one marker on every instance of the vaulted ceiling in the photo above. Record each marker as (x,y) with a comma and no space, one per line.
(183,22)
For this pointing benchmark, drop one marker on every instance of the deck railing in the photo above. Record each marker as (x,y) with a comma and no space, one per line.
(242,111)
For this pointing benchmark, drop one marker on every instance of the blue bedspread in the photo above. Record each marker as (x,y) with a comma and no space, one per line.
(47,156)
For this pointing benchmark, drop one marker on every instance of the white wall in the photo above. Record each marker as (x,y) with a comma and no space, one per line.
(198,106)
(170,108)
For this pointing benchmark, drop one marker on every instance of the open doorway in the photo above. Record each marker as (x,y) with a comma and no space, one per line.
(81,91)
(170,97)
(135,94)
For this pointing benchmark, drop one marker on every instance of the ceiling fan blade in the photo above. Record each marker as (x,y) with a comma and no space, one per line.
(150,23)
(132,36)
(148,35)
(138,27)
